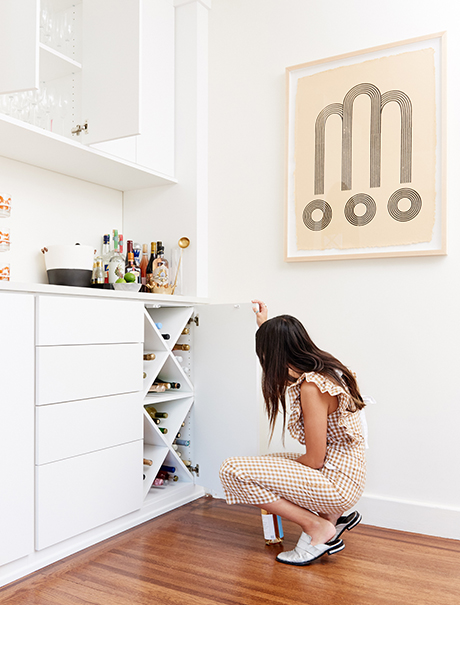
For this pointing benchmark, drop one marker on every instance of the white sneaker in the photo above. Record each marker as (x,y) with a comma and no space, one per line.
(304,553)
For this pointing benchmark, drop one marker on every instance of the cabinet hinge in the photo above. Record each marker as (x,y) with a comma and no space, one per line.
(80,129)
(195,320)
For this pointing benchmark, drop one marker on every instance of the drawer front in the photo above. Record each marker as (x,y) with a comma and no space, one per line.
(66,373)
(84,492)
(80,320)
(74,428)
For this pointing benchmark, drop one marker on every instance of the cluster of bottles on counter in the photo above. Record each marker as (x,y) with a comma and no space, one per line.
(114,266)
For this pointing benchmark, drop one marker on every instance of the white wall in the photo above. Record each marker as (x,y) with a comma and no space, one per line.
(52,209)
(394,321)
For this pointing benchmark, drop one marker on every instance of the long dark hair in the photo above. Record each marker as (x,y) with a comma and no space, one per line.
(282,343)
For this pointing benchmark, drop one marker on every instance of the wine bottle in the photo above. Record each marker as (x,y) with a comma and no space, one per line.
(163,430)
(149,268)
(143,267)
(186,331)
(129,250)
(187,463)
(157,388)
(273,528)
(166,336)
(169,385)
(167,468)
(167,477)
(147,461)
(181,347)
(179,441)
(149,356)
(157,482)
(154,413)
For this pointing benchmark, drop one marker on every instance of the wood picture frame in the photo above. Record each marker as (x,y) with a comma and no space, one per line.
(370,182)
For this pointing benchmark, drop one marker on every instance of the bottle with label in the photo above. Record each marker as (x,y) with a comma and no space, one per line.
(143,267)
(160,270)
(273,528)
(99,277)
(106,254)
(132,268)
(116,261)
(129,250)
(149,270)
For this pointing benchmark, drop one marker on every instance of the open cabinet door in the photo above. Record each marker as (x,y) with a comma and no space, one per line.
(227,387)
(18,45)
(111,69)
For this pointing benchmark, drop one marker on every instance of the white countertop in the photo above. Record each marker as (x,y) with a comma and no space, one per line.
(64,290)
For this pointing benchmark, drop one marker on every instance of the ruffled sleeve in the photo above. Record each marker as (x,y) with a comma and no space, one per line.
(346,418)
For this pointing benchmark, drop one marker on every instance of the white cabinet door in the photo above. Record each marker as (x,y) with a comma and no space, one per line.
(227,387)
(111,69)
(16,426)
(70,320)
(84,492)
(67,373)
(18,45)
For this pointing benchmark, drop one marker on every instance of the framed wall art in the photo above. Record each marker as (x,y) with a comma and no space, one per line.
(365,167)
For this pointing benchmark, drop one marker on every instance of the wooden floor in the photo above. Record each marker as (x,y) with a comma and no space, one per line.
(208,553)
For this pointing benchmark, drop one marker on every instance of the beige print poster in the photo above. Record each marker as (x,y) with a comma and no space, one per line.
(365,154)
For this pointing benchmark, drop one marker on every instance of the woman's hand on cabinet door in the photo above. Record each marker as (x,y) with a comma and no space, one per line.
(261,310)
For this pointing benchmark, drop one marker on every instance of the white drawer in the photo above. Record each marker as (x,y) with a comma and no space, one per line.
(66,373)
(73,428)
(84,492)
(81,320)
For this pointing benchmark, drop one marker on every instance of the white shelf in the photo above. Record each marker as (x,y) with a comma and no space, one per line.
(35,146)
(54,65)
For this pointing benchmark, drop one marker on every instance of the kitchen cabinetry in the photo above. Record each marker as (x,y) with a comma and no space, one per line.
(88,398)
(92,430)
(16,426)
(114,71)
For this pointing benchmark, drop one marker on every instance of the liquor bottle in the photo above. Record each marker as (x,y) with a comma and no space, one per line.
(160,269)
(117,261)
(143,266)
(149,356)
(129,250)
(106,254)
(99,278)
(132,268)
(181,347)
(149,270)
(137,250)
(273,528)
(179,441)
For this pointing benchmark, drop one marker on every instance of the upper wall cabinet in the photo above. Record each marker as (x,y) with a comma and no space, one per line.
(87,88)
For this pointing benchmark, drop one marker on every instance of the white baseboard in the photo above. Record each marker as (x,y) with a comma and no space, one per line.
(409,516)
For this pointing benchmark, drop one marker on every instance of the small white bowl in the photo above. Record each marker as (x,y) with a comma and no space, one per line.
(128,287)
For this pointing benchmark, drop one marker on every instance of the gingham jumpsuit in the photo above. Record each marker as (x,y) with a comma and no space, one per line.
(334,488)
